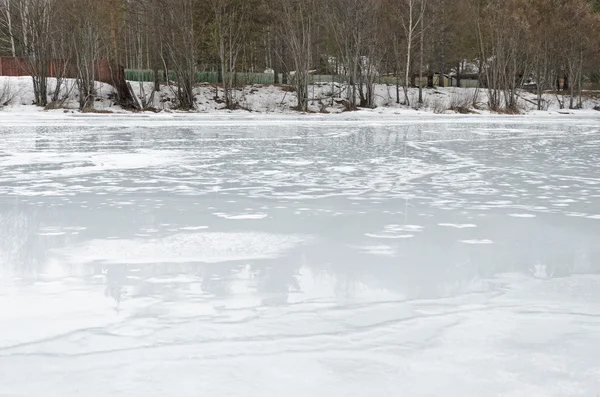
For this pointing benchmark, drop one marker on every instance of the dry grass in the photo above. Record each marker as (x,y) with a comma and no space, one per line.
(96,111)
(438,104)
(591,94)
(461,103)
(6,95)
(508,110)
(285,87)
(55,105)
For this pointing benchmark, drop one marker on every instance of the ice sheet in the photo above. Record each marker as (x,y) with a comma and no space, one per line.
(356,255)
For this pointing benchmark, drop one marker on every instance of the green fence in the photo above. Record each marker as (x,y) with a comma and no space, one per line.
(269,78)
(239,78)
(203,77)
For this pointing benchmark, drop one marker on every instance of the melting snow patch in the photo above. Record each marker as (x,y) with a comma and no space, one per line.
(390,236)
(382,250)
(259,215)
(403,228)
(297,163)
(522,215)
(48,234)
(481,241)
(457,225)
(344,169)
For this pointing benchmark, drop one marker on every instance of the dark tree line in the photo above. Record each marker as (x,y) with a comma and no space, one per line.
(554,43)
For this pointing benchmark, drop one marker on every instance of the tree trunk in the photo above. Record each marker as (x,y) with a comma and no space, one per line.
(421,53)
(276,70)
(10,28)
(284,71)
(397,88)
(407,70)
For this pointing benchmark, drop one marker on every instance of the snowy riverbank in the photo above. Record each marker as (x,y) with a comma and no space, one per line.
(16,97)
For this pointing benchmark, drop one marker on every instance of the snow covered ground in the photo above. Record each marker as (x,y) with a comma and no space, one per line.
(16,96)
(359,254)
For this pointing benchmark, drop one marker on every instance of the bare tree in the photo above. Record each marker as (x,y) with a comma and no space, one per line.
(35,19)
(408,14)
(7,21)
(61,53)
(542,17)
(86,37)
(502,50)
(180,33)
(297,20)
(410,22)
(421,41)
(229,20)
(578,46)
(354,27)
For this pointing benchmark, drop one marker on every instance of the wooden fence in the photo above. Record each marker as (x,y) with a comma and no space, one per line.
(105,71)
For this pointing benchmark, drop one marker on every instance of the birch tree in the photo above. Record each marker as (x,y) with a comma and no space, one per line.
(7,21)
(415,10)
(33,32)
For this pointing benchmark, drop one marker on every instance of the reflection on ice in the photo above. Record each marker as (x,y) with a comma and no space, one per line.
(206,247)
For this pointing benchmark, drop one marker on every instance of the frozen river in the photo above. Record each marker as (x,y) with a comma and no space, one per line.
(281,257)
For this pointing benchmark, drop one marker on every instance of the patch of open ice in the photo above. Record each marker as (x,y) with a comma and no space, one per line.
(259,215)
(475,241)
(522,215)
(403,228)
(457,225)
(389,236)
(296,163)
(344,169)
(49,234)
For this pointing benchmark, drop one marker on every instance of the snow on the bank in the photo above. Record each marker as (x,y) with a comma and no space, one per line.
(16,95)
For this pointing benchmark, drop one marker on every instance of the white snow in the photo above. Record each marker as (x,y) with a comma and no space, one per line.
(458,225)
(477,241)
(259,215)
(273,99)
(522,215)
(392,236)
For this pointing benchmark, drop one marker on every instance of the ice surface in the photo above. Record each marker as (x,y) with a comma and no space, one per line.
(353,255)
